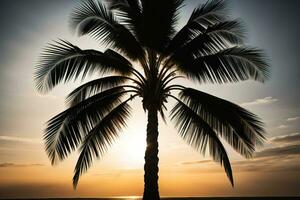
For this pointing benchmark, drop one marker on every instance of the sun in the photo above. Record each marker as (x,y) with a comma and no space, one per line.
(132,147)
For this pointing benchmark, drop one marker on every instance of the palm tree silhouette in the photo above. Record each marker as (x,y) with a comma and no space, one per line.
(149,55)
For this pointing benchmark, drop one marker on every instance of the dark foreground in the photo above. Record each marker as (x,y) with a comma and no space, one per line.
(175,198)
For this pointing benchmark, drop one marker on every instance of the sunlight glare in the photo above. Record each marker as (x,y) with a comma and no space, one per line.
(133,146)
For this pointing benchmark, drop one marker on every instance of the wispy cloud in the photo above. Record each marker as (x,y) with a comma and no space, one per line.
(289,146)
(282,126)
(270,159)
(292,119)
(263,101)
(293,149)
(291,138)
(19,139)
(195,162)
(49,96)
(2,165)
(270,164)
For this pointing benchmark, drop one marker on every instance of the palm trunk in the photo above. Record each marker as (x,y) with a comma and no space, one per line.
(151,157)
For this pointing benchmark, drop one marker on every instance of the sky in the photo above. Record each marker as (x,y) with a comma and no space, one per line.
(25,171)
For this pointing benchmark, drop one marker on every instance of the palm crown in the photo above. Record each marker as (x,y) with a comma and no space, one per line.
(208,48)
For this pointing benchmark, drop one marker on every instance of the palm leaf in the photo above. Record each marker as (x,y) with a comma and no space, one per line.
(92,17)
(229,65)
(129,12)
(215,38)
(95,86)
(63,61)
(211,12)
(158,15)
(231,31)
(212,39)
(183,36)
(64,132)
(240,128)
(199,134)
(100,137)
(205,15)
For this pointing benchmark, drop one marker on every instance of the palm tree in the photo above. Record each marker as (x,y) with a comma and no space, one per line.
(149,55)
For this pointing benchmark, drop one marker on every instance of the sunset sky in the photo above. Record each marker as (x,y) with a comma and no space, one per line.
(25,171)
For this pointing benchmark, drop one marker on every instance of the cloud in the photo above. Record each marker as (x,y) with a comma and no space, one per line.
(195,162)
(269,164)
(287,150)
(274,159)
(3,165)
(49,96)
(264,164)
(19,139)
(282,126)
(36,190)
(294,137)
(292,119)
(263,101)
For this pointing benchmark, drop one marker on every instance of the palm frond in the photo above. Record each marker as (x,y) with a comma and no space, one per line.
(205,15)
(183,36)
(64,132)
(159,19)
(240,128)
(95,86)
(199,134)
(93,18)
(229,65)
(100,137)
(63,61)
(215,38)
(213,11)
(231,31)
(212,39)
(129,12)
